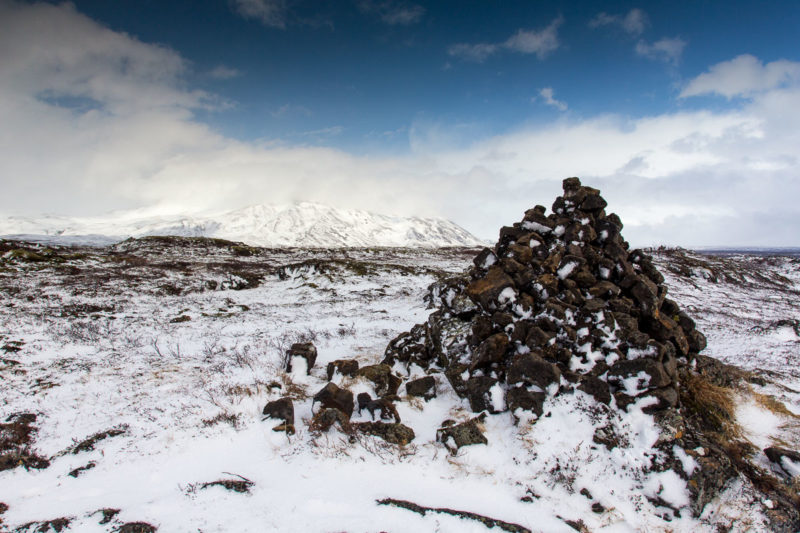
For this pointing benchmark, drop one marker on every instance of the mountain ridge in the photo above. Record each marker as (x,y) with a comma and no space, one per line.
(270,225)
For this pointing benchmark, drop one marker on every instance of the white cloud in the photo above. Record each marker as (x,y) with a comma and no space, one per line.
(221,72)
(547,95)
(61,54)
(323,132)
(291,109)
(473,52)
(744,75)
(689,178)
(404,15)
(668,50)
(540,42)
(633,23)
(271,13)
(392,12)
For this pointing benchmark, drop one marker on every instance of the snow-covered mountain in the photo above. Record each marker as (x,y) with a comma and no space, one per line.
(303,224)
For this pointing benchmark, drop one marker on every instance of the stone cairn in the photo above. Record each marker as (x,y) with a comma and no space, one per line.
(560,302)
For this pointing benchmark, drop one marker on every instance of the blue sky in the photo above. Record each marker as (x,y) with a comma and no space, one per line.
(346,74)
(683,113)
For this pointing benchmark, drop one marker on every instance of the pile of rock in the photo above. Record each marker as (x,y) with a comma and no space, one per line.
(559,303)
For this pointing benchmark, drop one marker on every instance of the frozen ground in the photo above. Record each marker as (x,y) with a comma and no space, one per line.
(180,345)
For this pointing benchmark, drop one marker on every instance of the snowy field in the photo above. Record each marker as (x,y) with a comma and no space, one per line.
(166,356)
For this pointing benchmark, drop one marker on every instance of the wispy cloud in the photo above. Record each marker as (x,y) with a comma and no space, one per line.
(668,50)
(221,72)
(291,109)
(547,94)
(392,12)
(323,132)
(271,13)
(473,52)
(633,23)
(744,75)
(540,42)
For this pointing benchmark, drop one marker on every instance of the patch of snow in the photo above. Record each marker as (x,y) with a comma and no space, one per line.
(535,226)
(635,385)
(792,467)
(566,270)
(507,295)
(497,398)
(687,461)
(669,487)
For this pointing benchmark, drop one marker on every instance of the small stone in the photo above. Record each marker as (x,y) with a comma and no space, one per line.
(422,387)
(394,433)
(485,259)
(485,291)
(652,372)
(331,396)
(464,434)
(667,397)
(532,369)
(776,455)
(478,393)
(327,418)
(597,388)
(345,367)
(386,382)
(282,409)
(522,398)
(492,350)
(306,350)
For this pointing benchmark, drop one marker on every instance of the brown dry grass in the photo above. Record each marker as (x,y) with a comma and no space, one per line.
(772,404)
(715,405)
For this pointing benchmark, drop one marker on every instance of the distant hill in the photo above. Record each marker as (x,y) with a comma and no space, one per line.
(304,224)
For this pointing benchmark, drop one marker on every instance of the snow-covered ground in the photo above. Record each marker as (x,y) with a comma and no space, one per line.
(181,347)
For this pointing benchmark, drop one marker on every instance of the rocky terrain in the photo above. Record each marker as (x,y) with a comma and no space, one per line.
(558,381)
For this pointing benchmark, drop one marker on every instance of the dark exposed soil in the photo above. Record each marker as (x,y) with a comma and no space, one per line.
(16,439)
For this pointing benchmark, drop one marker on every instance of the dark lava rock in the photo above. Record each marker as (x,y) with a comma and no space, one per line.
(522,398)
(651,374)
(479,395)
(306,350)
(531,369)
(485,291)
(490,351)
(464,434)
(331,396)
(385,408)
(327,418)
(394,433)
(776,455)
(423,387)
(136,527)
(597,388)
(282,409)
(386,382)
(345,367)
